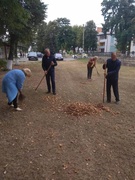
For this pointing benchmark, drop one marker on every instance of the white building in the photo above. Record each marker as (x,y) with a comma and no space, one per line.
(105,43)
(132,48)
(108,43)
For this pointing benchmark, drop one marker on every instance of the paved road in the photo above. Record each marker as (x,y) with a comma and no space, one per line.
(24,59)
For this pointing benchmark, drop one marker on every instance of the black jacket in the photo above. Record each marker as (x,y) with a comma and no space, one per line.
(46,61)
(113,68)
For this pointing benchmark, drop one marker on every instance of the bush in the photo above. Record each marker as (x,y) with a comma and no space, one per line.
(3,64)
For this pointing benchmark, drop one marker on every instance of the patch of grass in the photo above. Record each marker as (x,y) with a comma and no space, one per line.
(83,60)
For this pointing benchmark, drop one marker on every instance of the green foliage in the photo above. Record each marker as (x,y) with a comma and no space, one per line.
(78,30)
(56,35)
(3,64)
(119,18)
(63,22)
(90,38)
(20,19)
(66,37)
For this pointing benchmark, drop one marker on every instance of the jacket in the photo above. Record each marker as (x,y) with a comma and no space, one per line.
(12,82)
(113,68)
(46,61)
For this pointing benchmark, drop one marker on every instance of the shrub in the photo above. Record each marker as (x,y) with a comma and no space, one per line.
(3,64)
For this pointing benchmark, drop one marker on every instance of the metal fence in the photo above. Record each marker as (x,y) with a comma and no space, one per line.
(125,60)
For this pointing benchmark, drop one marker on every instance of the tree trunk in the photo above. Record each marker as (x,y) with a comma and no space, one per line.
(11,51)
(15,53)
(5,50)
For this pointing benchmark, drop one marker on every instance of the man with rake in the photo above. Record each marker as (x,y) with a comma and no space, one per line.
(113,66)
(48,65)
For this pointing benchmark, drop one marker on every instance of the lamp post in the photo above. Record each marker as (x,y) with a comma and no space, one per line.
(83,38)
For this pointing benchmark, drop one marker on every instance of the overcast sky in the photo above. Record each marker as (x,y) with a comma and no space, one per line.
(77,11)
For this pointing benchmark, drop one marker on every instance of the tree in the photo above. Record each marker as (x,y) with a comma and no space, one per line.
(66,36)
(41,37)
(78,30)
(13,18)
(119,17)
(63,22)
(50,40)
(90,36)
(20,19)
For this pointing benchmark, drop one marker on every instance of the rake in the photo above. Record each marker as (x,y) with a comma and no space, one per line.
(42,78)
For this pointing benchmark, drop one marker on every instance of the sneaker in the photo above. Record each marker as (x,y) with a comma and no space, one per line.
(11,105)
(18,109)
(117,102)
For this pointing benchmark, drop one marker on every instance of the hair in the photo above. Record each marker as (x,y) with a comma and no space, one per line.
(27,72)
(113,53)
(47,50)
(95,57)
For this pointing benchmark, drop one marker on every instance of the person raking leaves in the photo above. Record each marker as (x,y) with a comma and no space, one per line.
(48,65)
(90,65)
(12,84)
(112,75)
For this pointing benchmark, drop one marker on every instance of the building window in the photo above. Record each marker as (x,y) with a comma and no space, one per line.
(102,37)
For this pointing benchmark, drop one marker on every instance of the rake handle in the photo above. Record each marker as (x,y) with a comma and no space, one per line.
(42,78)
(104,86)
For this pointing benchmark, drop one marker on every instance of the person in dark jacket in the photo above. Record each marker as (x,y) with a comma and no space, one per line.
(48,65)
(113,66)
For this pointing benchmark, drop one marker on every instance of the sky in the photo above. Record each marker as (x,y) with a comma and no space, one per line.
(77,11)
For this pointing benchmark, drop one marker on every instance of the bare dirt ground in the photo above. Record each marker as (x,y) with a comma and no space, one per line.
(70,136)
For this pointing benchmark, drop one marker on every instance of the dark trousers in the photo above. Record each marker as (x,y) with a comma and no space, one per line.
(14,102)
(114,85)
(89,72)
(51,76)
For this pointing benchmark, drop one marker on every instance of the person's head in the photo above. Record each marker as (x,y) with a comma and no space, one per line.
(113,56)
(47,52)
(27,72)
(95,58)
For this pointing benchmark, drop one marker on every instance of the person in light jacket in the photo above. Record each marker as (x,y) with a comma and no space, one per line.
(12,84)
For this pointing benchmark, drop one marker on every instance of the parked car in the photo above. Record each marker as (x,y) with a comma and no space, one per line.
(84,55)
(58,57)
(74,56)
(32,56)
(39,54)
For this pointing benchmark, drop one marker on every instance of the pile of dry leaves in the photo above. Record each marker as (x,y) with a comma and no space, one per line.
(80,109)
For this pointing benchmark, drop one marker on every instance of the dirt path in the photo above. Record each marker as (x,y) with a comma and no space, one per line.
(48,141)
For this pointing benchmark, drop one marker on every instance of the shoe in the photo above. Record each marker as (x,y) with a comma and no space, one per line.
(48,92)
(54,93)
(11,105)
(117,102)
(18,109)
(108,101)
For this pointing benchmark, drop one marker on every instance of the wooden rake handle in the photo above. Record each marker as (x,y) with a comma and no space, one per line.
(42,78)
(104,86)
